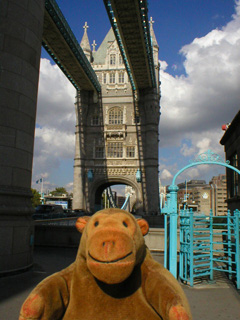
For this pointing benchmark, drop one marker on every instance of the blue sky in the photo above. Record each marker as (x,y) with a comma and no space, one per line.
(199,52)
(176,22)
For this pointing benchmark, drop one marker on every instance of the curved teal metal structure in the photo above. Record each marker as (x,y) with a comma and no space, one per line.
(170,208)
(124,206)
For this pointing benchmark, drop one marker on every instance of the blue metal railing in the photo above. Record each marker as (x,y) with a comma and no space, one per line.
(209,244)
(195,246)
(170,209)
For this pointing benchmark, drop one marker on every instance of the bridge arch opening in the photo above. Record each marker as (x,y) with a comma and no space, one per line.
(118,190)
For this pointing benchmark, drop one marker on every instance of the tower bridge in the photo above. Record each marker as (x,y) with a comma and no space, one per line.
(117,111)
(117,135)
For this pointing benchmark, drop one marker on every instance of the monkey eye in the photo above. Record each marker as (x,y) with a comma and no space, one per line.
(96,223)
(125,224)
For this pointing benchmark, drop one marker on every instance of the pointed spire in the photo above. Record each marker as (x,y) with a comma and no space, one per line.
(154,40)
(94,46)
(85,41)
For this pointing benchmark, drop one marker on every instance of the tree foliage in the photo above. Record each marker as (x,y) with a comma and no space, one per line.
(59,191)
(36,198)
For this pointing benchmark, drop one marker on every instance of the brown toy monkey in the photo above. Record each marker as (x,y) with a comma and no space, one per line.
(114,277)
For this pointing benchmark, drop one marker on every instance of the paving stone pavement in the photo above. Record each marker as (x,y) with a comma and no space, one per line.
(219,300)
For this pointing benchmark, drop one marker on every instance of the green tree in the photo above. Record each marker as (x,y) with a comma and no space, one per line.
(60,190)
(35,198)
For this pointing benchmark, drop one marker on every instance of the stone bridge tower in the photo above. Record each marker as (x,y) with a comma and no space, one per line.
(116,133)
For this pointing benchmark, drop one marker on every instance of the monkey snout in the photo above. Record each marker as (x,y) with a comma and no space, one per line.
(108,243)
(108,247)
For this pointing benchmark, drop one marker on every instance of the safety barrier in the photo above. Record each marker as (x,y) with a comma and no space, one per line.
(200,252)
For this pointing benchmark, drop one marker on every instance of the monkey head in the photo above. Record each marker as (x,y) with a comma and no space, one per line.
(112,244)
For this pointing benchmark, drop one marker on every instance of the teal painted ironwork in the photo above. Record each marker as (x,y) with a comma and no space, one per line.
(143,6)
(237,255)
(112,201)
(209,244)
(208,157)
(57,16)
(90,175)
(139,175)
(195,246)
(170,209)
(126,202)
(119,40)
(166,211)
(111,198)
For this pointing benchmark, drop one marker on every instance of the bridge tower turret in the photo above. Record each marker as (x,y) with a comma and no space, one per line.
(85,45)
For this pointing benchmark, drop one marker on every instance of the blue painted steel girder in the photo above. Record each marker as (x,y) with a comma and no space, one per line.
(63,47)
(129,19)
(207,157)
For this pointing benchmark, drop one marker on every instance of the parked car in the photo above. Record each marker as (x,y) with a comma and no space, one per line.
(46,211)
(79,213)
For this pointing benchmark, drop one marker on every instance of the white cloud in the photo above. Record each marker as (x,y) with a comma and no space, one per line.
(165,175)
(55,99)
(54,134)
(163,65)
(69,187)
(203,145)
(53,142)
(195,105)
(186,150)
(208,96)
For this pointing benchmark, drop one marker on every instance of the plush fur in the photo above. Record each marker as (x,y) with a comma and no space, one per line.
(114,277)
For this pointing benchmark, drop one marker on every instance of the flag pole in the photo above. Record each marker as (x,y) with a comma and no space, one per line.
(42,191)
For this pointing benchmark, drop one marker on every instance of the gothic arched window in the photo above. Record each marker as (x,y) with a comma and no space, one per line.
(112,59)
(115,116)
(112,77)
(120,59)
(121,77)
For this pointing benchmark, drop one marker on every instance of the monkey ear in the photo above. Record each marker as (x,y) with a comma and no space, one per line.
(143,226)
(81,223)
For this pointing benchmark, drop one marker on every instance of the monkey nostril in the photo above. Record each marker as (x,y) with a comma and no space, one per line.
(110,243)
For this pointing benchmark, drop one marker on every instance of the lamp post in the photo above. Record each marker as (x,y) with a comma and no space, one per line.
(173,230)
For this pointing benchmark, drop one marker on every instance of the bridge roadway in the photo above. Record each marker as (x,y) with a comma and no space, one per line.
(60,42)
(208,301)
(129,20)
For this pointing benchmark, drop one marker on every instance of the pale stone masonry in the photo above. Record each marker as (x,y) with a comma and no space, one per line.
(117,132)
(20,46)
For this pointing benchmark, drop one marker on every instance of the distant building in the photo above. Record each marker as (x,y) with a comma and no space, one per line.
(63,200)
(189,194)
(120,201)
(218,195)
(231,143)
(191,184)
(202,197)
